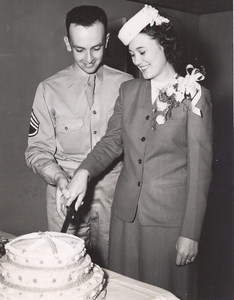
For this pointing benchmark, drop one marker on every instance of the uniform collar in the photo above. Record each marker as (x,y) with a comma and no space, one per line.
(84,77)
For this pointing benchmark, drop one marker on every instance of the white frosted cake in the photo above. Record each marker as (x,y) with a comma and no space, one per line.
(49,266)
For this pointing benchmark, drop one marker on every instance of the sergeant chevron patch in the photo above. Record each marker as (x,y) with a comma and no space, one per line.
(34,125)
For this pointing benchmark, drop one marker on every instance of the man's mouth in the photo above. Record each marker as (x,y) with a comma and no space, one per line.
(89,66)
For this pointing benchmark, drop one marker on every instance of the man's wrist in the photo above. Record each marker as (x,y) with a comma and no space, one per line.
(60,175)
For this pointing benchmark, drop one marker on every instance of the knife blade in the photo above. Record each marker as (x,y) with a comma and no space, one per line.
(70,213)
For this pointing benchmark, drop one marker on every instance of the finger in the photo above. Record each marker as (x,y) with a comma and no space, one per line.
(189,260)
(192,258)
(178,259)
(181,259)
(79,201)
(64,210)
(60,204)
(66,193)
(61,209)
(184,260)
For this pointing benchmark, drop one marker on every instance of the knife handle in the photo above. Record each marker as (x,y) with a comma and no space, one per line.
(70,213)
(71,208)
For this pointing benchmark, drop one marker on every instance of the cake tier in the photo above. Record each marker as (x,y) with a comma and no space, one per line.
(43,277)
(88,290)
(52,249)
(49,266)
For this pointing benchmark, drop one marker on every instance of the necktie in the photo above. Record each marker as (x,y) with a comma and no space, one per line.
(89,91)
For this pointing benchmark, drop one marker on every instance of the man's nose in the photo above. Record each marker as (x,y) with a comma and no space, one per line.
(89,56)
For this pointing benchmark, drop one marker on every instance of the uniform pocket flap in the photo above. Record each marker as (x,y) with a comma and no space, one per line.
(68,125)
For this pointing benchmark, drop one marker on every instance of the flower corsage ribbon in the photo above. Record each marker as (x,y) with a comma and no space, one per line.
(191,84)
(177,91)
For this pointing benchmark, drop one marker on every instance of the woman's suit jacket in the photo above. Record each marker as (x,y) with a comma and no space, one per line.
(167,171)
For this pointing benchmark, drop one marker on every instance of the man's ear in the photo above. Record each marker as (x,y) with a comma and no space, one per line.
(107,39)
(67,43)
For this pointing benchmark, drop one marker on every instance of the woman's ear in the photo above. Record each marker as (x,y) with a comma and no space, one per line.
(67,43)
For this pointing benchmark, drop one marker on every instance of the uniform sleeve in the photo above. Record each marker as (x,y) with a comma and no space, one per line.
(199,134)
(109,147)
(41,148)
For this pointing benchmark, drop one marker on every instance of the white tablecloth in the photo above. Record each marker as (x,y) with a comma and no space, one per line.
(120,287)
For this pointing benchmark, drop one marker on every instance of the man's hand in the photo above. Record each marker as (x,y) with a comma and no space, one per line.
(77,188)
(186,251)
(61,190)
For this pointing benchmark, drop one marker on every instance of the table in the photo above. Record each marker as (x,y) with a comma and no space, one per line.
(120,287)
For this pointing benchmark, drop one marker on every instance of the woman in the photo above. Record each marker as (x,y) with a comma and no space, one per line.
(163,125)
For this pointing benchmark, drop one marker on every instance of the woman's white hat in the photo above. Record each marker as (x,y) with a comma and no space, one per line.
(147,15)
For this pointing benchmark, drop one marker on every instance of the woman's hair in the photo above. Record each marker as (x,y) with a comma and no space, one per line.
(169,39)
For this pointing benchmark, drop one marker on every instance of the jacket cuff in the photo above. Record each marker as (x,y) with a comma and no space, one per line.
(92,166)
(51,172)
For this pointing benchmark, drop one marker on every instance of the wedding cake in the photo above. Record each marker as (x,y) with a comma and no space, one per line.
(49,266)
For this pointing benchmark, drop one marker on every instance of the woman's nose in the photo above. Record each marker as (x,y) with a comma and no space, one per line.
(136,60)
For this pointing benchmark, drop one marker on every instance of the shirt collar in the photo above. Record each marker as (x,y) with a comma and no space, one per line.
(84,77)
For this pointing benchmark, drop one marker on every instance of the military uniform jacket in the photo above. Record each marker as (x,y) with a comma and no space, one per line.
(167,171)
(63,128)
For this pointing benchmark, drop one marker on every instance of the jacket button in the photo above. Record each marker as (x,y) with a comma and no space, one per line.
(138,183)
(143,139)
(139,161)
(94,112)
(147,117)
(95,132)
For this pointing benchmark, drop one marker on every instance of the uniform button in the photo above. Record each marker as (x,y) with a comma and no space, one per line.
(138,183)
(139,161)
(66,128)
(94,112)
(95,132)
(143,139)
(147,117)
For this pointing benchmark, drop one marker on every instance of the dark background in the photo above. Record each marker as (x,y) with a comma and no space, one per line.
(32,49)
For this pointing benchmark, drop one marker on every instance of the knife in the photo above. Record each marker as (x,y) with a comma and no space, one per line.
(70,213)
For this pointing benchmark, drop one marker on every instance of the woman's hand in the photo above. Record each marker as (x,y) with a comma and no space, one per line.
(187,250)
(76,189)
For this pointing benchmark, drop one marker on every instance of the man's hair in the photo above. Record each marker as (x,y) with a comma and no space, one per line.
(86,15)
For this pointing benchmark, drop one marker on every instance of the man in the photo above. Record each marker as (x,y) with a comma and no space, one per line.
(69,116)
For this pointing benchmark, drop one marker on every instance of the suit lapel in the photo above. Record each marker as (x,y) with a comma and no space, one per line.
(145,97)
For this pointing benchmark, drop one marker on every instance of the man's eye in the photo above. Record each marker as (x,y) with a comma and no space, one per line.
(78,50)
(97,48)
(142,53)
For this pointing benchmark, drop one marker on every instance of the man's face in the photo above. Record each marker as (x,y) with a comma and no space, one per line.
(87,45)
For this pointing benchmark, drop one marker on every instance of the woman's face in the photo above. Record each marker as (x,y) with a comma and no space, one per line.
(148,55)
